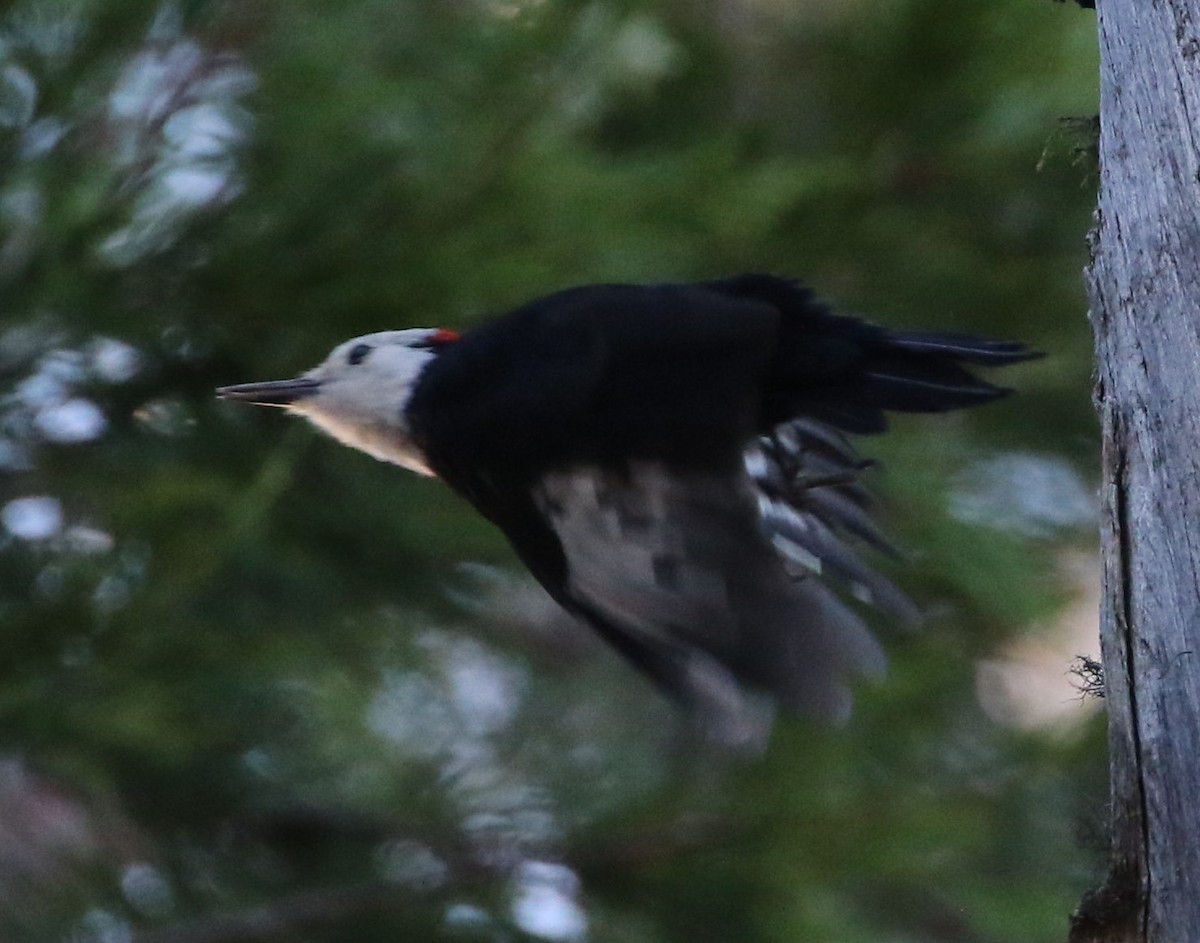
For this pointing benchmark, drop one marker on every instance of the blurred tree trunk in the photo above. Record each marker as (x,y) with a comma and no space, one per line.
(1145,311)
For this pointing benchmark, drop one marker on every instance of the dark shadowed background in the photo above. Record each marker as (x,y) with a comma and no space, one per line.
(256,686)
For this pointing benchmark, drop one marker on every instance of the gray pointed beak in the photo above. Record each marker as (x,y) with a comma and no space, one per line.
(271,392)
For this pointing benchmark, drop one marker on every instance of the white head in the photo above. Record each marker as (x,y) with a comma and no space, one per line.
(359,394)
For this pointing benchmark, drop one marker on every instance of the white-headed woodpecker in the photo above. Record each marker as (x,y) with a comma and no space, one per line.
(669,461)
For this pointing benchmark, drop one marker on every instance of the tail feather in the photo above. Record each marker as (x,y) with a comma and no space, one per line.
(968,348)
(924,372)
(930,388)
(847,373)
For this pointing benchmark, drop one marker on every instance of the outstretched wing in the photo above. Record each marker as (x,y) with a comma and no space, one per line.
(709,580)
(684,567)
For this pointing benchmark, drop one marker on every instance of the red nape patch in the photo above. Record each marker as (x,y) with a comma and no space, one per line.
(444,336)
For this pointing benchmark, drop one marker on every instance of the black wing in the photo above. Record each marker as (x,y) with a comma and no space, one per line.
(684,565)
(707,581)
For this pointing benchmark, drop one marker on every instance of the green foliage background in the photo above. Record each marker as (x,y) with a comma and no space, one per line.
(235,673)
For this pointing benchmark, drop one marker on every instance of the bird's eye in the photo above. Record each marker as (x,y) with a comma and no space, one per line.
(358,353)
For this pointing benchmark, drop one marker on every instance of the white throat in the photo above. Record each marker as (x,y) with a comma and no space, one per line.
(362,402)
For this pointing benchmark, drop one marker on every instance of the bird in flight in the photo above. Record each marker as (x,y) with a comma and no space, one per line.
(670,462)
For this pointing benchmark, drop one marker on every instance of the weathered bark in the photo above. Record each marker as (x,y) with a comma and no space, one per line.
(1145,310)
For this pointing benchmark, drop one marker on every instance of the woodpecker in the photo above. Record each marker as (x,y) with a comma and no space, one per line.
(671,463)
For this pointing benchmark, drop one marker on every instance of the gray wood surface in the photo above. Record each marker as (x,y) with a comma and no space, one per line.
(1144,286)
